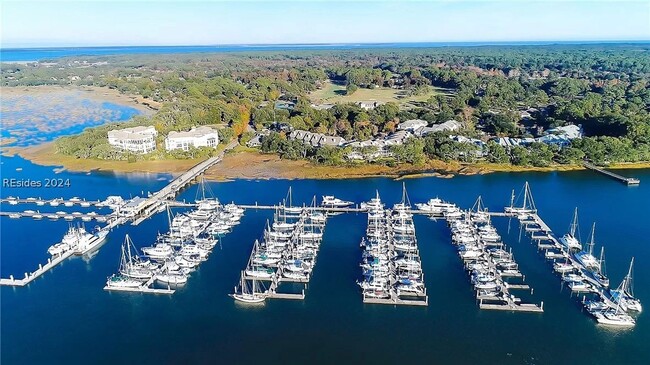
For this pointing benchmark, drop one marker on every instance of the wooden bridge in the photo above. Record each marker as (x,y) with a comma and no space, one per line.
(627,180)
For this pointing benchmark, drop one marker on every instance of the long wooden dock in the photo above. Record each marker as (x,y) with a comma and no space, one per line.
(626,180)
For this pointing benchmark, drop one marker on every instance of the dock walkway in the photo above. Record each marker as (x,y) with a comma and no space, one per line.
(626,180)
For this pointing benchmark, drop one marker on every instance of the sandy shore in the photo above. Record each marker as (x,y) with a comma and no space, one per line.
(102,94)
(254,165)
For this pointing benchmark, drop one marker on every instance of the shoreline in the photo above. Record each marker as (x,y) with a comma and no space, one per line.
(257,166)
(101,94)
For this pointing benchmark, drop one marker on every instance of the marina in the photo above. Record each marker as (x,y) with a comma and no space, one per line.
(333,285)
(579,270)
(286,253)
(391,265)
(485,258)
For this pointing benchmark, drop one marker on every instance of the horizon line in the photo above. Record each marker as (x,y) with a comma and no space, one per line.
(468,43)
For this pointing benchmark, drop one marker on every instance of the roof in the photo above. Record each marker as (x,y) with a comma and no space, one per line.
(413,124)
(133,132)
(571,131)
(197,132)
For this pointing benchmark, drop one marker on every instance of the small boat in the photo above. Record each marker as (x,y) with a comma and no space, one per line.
(260,272)
(55,202)
(246,294)
(331,201)
(172,278)
(121,281)
(158,251)
(14,215)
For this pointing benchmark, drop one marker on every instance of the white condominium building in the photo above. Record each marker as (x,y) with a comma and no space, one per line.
(196,137)
(135,139)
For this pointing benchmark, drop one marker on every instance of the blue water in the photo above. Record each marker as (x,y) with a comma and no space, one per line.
(41,121)
(66,318)
(42,54)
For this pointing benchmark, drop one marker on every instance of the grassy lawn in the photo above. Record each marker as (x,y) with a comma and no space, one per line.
(334,93)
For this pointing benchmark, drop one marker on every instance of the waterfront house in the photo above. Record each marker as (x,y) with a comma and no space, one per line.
(196,137)
(316,139)
(136,139)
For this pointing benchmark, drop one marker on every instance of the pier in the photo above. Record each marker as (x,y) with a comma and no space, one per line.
(146,288)
(623,179)
(42,269)
(58,215)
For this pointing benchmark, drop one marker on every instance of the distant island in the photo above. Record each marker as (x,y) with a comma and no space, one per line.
(355,112)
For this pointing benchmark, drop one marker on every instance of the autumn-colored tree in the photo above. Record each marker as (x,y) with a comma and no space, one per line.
(243,118)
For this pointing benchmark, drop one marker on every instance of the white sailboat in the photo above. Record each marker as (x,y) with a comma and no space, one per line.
(527,206)
(586,258)
(290,208)
(247,294)
(569,239)
(131,265)
(624,294)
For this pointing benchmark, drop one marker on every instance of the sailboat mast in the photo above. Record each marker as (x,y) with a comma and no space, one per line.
(574,224)
(591,242)
(525,195)
(628,280)
(601,262)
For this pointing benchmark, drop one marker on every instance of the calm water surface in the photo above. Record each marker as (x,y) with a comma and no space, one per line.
(66,318)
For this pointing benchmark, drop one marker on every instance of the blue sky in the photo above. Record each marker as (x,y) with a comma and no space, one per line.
(95,23)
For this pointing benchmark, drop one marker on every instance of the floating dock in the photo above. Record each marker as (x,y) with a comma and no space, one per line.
(146,288)
(42,269)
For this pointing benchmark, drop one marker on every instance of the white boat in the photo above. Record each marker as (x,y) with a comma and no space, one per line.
(13,202)
(247,294)
(331,201)
(85,204)
(14,215)
(71,241)
(260,272)
(174,279)
(40,202)
(131,265)
(121,281)
(158,251)
(624,294)
(374,204)
(569,240)
(232,208)
(614,317)
(586,258)
(89,241)
(55,202)
(527,206)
